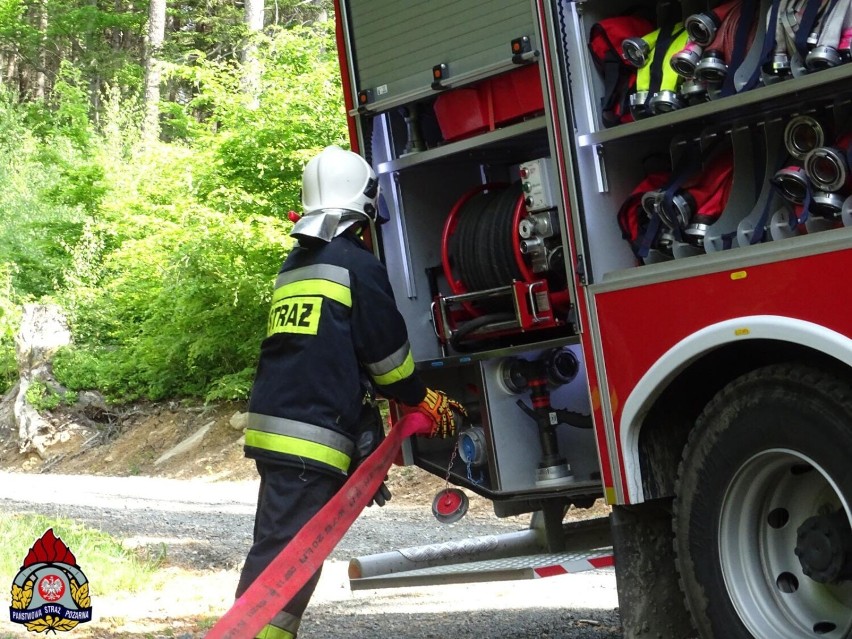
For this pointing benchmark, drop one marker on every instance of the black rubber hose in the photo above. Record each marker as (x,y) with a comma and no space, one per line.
(474,324)
(482,246)
(467,241)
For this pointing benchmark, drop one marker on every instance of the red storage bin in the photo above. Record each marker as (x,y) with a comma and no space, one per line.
(461,112)
(516,94)
(492,102)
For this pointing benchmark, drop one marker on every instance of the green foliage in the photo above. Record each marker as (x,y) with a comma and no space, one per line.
(71,105)
(79,185)
(164,254)
(43,397)
(101,41)
(10,318)
(35,231)
(108,566)
(178,312)
(259,144)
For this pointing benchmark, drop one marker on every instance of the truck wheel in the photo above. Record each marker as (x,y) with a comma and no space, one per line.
(762,508)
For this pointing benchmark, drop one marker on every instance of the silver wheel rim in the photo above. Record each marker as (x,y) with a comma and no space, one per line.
(771,495)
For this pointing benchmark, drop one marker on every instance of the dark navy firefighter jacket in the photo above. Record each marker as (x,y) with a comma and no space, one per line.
(333,317)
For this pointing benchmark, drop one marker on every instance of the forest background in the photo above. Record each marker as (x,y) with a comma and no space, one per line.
(149,154)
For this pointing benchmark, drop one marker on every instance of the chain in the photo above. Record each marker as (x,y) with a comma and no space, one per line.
(450,466)
(476,480)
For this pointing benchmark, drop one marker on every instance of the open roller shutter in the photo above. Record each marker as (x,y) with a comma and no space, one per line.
(400,41)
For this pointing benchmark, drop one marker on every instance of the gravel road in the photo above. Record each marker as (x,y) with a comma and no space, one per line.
(205,528)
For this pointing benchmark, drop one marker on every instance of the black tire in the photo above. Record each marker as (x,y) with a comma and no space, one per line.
(772,450)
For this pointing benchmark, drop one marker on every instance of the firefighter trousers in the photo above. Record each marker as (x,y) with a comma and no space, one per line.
(287,499)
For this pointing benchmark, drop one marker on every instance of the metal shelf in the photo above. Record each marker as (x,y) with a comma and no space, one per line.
(490,139)
(775,95)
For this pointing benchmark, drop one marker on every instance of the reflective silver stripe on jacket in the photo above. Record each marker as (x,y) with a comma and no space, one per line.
(389,363)
(301,430)
(336,274)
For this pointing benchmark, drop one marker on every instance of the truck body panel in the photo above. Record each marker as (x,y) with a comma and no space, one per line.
(598,259)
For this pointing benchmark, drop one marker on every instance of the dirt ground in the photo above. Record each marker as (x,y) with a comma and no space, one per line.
(150,440)
(134,440)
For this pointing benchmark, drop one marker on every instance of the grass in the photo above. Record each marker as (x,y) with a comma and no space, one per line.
(108,566)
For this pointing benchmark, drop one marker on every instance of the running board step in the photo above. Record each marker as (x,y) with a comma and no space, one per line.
(517,555)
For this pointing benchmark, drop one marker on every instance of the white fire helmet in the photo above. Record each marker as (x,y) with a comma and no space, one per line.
(339,189)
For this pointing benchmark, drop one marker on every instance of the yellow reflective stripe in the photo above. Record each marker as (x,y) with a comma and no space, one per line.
(299,448)
(272,632)
(406,369)
(331,290)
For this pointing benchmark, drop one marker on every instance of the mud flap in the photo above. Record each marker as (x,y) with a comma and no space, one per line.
(650,601)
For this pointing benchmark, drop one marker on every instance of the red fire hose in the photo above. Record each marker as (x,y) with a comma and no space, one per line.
(303,556)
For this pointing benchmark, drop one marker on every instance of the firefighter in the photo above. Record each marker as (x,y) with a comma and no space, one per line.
(334,335)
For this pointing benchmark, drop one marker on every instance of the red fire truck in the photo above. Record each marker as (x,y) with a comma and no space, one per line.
(618,231)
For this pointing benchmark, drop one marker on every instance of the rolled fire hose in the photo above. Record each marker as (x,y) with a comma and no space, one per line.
(637,51)
(836,23)
(800,20)
(802,135)
(713,65)
(779,65)
(649,100)
(305,553)
(828,169)
(794,16)
(702,27)
(723,56)
(667,98)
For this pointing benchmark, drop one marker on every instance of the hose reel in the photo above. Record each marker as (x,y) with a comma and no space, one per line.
(482,246)
(504,267)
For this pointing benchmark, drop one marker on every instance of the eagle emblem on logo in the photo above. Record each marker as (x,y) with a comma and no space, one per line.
(50,592)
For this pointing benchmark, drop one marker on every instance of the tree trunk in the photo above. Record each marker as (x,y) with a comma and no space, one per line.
(43,331)
(41,74)
(156,35)
(251,65)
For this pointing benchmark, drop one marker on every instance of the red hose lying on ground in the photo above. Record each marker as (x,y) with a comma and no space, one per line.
(304,555)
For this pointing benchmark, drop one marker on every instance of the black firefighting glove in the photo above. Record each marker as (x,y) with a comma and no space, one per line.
(371,433)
